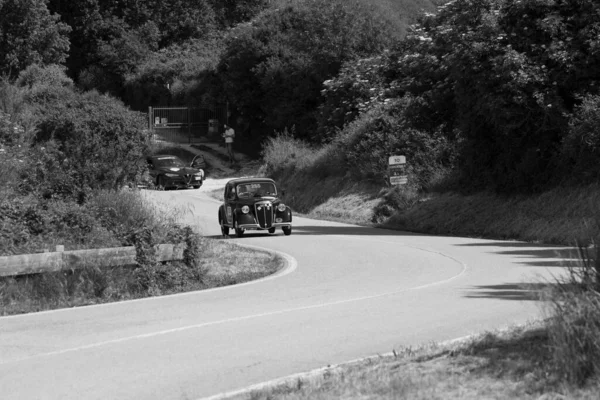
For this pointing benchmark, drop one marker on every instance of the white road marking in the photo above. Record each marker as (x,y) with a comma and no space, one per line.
(244,318)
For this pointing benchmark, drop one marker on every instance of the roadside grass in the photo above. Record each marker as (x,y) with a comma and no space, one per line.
(559,216)
(510,364)
(320,185)
(220,264)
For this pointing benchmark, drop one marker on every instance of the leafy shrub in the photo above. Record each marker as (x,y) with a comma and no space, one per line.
(581,146)
(29,225)
(44,86)
(352,91)
(108,219)
(51,75)
(394,199)
(383,131)
(283,151)
(89,142)
(128,211)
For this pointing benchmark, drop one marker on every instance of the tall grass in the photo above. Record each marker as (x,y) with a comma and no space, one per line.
(574,319)
(564,215)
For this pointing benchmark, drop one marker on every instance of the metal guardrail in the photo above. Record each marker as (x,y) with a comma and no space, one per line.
(24,264)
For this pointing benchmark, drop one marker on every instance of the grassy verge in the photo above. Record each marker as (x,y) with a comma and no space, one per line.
(219,264)
(511,364)
(559,216)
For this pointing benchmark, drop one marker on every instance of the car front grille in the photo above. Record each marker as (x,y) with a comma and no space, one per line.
(264,214)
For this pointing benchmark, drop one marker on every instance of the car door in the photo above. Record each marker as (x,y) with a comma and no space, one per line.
(229,203)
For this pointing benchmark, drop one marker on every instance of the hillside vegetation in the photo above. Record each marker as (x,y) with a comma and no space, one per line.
(495,104)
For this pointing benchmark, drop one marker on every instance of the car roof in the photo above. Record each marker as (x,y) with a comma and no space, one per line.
(250,180)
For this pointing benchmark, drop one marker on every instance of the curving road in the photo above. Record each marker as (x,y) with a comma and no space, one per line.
(348,292)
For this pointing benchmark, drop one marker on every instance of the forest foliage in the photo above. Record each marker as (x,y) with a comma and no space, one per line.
(490,94)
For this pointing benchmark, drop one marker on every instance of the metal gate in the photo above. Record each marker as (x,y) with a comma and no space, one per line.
(187,124)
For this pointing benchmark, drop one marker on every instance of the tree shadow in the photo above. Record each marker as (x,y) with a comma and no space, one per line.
(532,254)
(508,291)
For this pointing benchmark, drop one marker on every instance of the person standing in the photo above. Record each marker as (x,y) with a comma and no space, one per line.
(229,135)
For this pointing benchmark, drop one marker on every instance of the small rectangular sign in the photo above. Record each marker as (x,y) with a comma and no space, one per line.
(397,172)
(398,180)
(394,160)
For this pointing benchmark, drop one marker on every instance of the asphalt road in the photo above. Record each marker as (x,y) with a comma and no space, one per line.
(348,292)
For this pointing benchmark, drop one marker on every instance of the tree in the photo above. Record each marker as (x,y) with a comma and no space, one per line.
(232,12)
(86,142)
(273,68)
(112,38)
(30,34)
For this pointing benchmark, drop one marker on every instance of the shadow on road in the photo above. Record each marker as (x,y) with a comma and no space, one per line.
(532,254)
(508,291)
(315,230)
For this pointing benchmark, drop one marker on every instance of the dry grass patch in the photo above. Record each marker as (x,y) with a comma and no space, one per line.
(559,216)
(499,365)
(227,263)
(220,264)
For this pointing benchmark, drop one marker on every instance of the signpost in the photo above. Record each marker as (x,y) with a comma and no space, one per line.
(397,170)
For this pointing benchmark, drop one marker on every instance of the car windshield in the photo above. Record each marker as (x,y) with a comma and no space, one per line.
(171,162)
(256,189)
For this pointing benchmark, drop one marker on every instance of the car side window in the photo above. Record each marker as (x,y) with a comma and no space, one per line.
(230,193)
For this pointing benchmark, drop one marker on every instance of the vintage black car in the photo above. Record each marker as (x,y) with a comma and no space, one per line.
(169,172)
(253,204)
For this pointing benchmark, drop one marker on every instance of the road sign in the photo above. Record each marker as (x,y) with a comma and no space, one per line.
(394,160)
(397,170)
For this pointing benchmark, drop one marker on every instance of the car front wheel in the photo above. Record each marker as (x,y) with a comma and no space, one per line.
(287,230)
(239,232)
(224,229)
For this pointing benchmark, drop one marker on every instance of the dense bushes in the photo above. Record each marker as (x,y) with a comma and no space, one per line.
(508,86)
(108,219)
(87,142)
(30,34)
(580,152)
(272,69)
(64,163)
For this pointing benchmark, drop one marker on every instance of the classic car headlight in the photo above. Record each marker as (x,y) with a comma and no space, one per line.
(245,209)
(172,175)
(281,207)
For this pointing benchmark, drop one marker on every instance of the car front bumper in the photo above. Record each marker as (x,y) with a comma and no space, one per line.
(257,227)
(182,182)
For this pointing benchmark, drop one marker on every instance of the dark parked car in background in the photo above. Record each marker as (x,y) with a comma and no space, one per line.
(170,172)
(253,204)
